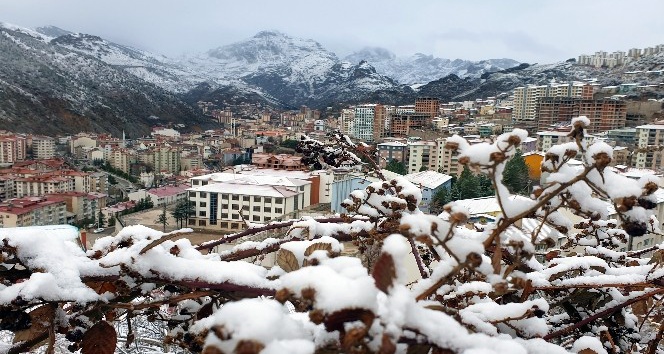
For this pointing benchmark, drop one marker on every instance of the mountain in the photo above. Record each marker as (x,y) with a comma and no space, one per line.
(292,70)
(422,68)
(51,86)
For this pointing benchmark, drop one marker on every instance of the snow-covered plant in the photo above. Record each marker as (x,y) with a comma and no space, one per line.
(343,284)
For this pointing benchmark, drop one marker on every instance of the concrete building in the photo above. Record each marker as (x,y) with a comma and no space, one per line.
(428,106)
(32,211)
(527,98)
(369,122)
(420,156)
(227,202)
(347,119)
(42,185)
(604,114)
(649,154)
(392,151)
(43,147)
(402,124)
(12,149)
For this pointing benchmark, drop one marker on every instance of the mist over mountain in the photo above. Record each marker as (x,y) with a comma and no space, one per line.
(53,80)
(422,68)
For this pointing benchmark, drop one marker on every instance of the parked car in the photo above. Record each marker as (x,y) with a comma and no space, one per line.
(99,230)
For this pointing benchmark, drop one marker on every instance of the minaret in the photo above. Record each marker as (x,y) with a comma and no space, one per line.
(124,145)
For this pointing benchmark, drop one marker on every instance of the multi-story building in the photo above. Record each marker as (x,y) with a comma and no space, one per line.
(82,205)
(12,149)
(604,114)
(229,202)
(32,211)
(347,119)
(649,154)
(429,106)
(546,139)
(119,158)
(402,124)
(42,185)
(278,161)
(394,150)
(527,98)
(43,147)
(369,122)
(420,156)
(166,159)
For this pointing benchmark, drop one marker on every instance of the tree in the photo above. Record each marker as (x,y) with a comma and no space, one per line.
(101,219)
(502,287)
(181,212)
(515,176)
(163,218)
(289,143)
(396,167)
(112,180)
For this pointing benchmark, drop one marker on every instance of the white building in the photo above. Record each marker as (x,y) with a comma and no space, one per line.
(43,147)
(228,201)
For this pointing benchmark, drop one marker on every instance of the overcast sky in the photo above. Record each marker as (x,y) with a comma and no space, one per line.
(525,30)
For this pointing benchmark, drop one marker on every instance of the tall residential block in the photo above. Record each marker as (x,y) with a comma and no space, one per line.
(428,106)
(369,122)
(604,114)
(527,98)
(649,154)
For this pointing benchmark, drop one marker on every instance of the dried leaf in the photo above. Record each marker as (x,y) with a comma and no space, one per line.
(99,339)
(335,321)
(387,346)
(287,260)
(316,247)
(101,287)
(40,319)
(384,272)
(248,347)
(204,311)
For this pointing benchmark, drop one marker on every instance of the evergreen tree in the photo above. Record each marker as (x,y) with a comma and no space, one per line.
(468,185)
(163,218)
(102,219)
(181,212)
(396,167)
(515,176)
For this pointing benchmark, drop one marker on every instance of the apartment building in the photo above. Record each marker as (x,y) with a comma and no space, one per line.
(42,185)
(401,124)
(228,201)
(428,106)
(81,205)
(604,114)
(649,154)
(12,149)
(547,139)
(347,119)
(43,147)
(527,98)
(369,122)
(32,211)
(420,156)
(394,150)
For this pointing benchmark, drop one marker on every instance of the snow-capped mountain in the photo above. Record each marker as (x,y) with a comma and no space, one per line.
(47,87)
(293,70)
(422,68)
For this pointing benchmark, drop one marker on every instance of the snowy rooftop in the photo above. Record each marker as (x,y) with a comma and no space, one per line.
(651,126)
(429,179)
(233,187)
(487,205)
(252,179)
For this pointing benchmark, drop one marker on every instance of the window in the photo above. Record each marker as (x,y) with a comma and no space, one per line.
(224,225)
(235,216)
(267,210)
(201,213)
(268,200)
(245,207)
(192,222)
(224,196)
(235,207)
(213,222)
(257,199)
(257,208)
(201,223)
(202,194)
(235,226)
(278,210)
(256,218)
(235,197)
(245,198)
(224,215)
(202,204)
(278,200)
